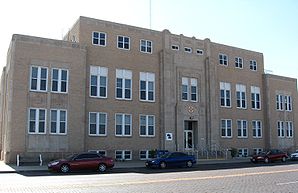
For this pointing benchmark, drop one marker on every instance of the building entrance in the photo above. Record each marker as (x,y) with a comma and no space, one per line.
(189,129)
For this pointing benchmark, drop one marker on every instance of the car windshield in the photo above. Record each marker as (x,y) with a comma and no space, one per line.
(70,157)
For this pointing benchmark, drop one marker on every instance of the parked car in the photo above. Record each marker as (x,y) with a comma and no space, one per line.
(173,159)
(270,156)
(294,156)
(82,161)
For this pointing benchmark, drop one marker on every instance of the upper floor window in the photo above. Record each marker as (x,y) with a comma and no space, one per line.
(200,52)
(257,129)
(175,47)
(238,62)
(279,102)
(225,94)
(288,103)
(241,96)
(253,65)
(187,50)
(37,121)
(280,129)
(39,78)
(226,128)
(123,84)
(255,98)
(123,42)
(242,128)
(290,130)
(97,124)
(123,124)
(223,59)
(59,80)
(58,121)
(99,38)
(147,125)
(146,46)
(147,86)
(98,81)
(189,89)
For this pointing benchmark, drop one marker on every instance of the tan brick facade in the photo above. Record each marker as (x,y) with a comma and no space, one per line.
(186,81)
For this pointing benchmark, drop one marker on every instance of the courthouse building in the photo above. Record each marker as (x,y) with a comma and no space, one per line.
(123,91)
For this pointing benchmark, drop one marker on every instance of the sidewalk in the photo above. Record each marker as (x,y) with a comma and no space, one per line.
(12,168)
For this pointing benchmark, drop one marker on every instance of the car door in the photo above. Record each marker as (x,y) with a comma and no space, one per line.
(78,163)
(172,160)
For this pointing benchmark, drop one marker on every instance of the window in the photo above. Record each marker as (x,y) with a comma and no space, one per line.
(257,151)
(123,84)
(123,155)
(253,65)
(279,102)
(146,46)
(242,128)
(226,128)
(200,52)
(223,59)
(192,89)
(123,125)
(147,86)
(39,78)
(187,50)
(288,103)
(241,96)
(175,47)
(290,129)
(255,98)
(98,81)
(238,62)
(58,121)
(243,152)
(280,129)
(257,129)
(145,154)
(97,124)
(99,38)
(147,125)
(37,121)
(225,94)
(59,80)
(123,42)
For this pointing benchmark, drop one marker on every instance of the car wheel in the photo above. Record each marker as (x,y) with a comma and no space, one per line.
(102,167)
(189,164)
(266,160)
(163,165)
(283,159)
(64,168)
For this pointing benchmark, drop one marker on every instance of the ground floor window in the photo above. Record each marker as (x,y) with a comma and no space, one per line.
(123,155)
(257,151)
(243,152)
(146,154)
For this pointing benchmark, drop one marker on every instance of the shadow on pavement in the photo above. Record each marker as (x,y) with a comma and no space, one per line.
(144,170)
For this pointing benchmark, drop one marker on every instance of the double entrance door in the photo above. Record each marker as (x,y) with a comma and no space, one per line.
(189,129)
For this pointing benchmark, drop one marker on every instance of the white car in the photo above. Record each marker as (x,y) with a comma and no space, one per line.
(294,156)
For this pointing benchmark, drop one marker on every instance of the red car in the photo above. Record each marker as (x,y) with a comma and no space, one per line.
(270,156)
(83,161)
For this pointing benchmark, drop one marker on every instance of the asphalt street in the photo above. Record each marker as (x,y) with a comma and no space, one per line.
(237,177)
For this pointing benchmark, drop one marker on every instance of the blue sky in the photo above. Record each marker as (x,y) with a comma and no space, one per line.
(267,26)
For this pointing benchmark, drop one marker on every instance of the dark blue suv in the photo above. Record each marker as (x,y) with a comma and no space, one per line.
(173,159)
